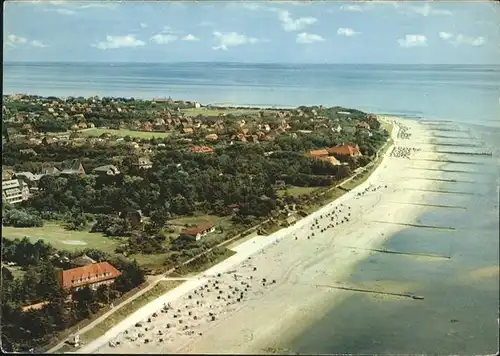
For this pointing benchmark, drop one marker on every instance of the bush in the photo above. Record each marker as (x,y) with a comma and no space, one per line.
(20,218)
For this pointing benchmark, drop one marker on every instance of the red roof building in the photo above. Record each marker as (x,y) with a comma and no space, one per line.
(363,124)
(199,231)
(318,153)
(36,306)
(201,149)
(345,150)
(92,275)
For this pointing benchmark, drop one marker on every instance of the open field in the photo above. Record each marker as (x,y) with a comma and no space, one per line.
(123,133)
(296,191)
(215,112)
(63,239)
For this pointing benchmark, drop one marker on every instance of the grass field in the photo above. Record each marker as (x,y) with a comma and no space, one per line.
(123,133)
(158,290)
(63,239)
(296,191)
(215,112)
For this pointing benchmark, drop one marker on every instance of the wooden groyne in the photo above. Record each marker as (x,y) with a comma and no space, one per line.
(442,180)
(445,161)
(455,137)
(455,144)
(450,130)
(443,228)
(444,170)
(441,191)
(397,252)
(362,290)
(466,153)
(434,121)
(431,205)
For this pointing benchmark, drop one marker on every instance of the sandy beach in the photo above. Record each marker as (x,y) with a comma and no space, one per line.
(277,285)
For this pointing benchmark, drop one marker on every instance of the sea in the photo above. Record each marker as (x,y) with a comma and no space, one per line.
(460,310)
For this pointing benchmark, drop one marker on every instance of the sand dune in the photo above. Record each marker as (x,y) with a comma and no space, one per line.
(274,286)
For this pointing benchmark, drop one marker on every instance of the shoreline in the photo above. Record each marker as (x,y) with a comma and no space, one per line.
(344,259)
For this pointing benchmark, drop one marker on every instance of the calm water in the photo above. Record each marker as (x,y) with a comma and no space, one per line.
(466,93)
(460,310)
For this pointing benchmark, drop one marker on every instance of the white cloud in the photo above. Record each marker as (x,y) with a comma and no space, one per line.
(190,37)
(445,35)
(289,24)
(99,5)
(347,32)
(113,42)
(468,40)
(143,25)
(413,41)
(231,39)
(461,39)
(427,9)
(305,38)
(38,44)
(62,11)
(15,41)
(353,7)
(250,6)
(160,38)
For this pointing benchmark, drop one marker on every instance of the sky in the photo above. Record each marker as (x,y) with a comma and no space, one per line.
(438,32)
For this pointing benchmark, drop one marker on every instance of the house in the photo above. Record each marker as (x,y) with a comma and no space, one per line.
(133,217)
(31,179)
(211,137)
(143,162)
(337,129)
(7,174)
(107,170)
(363,124)
(48,141)
(92,276)
(147,126)
(345,150)
(198,232)
(51,171)
(290,220)
(188,130)
(318,153)
(15,191)
(82,125)
(83,260)
(330,159)
(36,306)
(201,149)
(29,152)
(75,167)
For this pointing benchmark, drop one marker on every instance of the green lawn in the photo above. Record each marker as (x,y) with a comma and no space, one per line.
(122,133)
(296,191)
(63,239)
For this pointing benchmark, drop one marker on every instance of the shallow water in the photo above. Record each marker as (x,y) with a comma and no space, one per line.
(460,310)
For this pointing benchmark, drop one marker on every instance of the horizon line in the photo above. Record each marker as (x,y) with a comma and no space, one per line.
(254,63)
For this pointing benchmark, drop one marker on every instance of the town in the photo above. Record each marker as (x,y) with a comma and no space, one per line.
(99,193)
